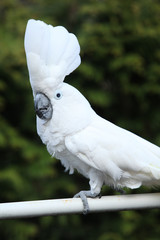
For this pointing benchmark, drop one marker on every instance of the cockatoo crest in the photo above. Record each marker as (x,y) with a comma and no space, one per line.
(52,53)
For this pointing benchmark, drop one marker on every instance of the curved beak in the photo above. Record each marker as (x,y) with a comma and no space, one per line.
(43,106)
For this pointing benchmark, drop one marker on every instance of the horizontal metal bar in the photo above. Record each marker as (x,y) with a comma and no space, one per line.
(74,205)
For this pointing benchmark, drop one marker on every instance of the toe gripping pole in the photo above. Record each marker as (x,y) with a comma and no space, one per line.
(74,205)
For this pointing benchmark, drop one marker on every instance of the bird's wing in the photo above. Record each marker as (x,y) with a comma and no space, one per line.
(93,147)
(52,53)
(113,150)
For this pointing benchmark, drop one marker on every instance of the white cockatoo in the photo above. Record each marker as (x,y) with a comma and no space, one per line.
(72,131)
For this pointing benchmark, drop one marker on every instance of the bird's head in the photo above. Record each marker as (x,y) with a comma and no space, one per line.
(67,109)
(53,53)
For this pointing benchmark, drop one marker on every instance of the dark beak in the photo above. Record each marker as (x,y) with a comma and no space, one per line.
(43,106)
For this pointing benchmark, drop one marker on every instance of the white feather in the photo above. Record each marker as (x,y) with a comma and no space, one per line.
(52,53)
(126,158)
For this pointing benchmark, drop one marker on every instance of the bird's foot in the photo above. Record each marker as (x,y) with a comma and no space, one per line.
(83,195)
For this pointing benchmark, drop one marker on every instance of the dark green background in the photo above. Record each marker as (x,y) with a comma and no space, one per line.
(119,75)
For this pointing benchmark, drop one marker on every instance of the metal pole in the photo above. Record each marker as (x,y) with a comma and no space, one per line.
(74,205)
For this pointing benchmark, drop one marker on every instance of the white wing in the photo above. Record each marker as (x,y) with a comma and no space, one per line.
(128,159)
(52,52)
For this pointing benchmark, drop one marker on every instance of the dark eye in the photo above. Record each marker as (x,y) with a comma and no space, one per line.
(58,95)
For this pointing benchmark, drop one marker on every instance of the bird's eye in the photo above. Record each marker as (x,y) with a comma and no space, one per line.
(58,95)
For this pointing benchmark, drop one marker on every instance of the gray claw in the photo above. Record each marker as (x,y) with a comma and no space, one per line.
(84,201)
(83,195)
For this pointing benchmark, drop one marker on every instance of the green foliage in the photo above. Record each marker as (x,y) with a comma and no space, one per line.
(119,74)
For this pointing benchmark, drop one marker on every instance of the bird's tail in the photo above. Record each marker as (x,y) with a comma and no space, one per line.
(52,52)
